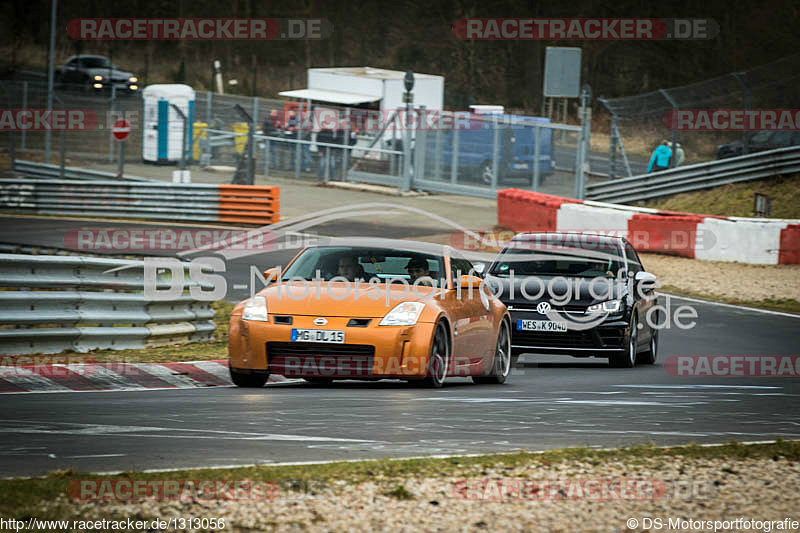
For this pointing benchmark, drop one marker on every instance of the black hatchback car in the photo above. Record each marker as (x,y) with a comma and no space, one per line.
(577,294)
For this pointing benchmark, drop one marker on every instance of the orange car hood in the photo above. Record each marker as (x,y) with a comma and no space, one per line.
(334,300)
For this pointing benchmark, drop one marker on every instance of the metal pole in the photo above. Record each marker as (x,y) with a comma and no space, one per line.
(747,95)
(346,140)
(24,106)
(209,105)
(421,145)
(536,155)
(437,156)
(612,149)
(495,153)
(454,158)
(674,105)
(110,134)
(50,76)
(407,156)
(327,164)
(266,158)
(298,146)
(251,148)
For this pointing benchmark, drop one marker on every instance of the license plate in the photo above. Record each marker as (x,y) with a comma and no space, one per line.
(541,325)
(520,166)
(318,335)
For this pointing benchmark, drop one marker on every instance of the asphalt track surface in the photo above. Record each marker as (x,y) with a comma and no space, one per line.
(548,402)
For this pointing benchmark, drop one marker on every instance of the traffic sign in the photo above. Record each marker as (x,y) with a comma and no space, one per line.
(121,129)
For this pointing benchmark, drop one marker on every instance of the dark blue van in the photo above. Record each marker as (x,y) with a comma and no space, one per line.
(515,149)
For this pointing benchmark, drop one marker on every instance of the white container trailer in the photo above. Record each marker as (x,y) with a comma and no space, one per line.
(375,88)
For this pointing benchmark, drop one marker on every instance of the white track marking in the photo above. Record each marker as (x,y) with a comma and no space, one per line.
(732,306)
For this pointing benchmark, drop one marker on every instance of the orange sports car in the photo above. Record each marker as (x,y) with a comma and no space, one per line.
(369,309)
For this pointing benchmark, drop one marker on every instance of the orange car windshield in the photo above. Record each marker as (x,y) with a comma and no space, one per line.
(366,264)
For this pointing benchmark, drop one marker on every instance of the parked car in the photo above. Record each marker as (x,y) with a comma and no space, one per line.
(595,300)
(516,149)
(95,73)
(759,142)
(360,321)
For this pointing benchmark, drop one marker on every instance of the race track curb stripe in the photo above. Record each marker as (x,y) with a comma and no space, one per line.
(116,376)
(714,238)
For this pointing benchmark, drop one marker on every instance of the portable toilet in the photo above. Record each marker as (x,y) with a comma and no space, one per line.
(163,126)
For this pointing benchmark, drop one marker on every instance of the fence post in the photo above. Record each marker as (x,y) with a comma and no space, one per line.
(346,140)
(421,146)
(209,105)
(298,146)
(437,156)
(24,106)
(674,105)
(495,153)
(612,148)
(110,134)
(407,166)
(747,95)
(454,158)
(266,158)
(536,155)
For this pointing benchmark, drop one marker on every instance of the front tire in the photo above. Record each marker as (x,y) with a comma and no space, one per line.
(501,366)
(250,381)
(438,359)
(649,357)
(627,358)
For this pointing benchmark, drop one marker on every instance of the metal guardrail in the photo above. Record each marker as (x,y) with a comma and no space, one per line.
(697,177)
(43,170)
(87,307)
(143,200)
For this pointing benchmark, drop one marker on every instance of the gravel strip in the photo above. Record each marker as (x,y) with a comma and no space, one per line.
(693,488)
(726,280)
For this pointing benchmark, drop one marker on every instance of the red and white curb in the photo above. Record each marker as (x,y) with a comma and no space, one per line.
(89,377)
(745,240)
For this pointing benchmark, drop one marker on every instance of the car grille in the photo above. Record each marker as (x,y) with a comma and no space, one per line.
(315,359)
(607,338)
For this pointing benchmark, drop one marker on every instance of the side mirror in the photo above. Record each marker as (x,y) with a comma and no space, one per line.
(271,274)
(480,268)
(469,282)
(646,281)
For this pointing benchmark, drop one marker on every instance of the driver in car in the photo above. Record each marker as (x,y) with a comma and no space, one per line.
(350,269)
(418,268)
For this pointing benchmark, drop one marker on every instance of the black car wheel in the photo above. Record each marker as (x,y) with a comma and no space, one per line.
(501,365)
(438,360)
(649,357)
(241,379)
(627,358)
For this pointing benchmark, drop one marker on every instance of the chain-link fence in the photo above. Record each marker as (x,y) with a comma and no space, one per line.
(639,123)
(243,137)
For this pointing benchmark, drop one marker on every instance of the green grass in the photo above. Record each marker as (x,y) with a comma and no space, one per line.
(736,199)
(783,304)
(217,348)
(23,498)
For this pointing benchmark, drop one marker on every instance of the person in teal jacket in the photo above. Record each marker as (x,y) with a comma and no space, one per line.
(660,158)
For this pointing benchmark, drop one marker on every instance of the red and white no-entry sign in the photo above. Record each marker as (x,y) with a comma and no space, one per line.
(121,129)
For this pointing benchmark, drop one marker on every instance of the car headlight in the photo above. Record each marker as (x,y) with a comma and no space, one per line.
(256,309)
(98,78)
(611,306)
(133,79)
(404,314)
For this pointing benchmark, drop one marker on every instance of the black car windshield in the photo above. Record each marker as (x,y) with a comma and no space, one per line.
(366,264)
(95,62)
(560,260)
